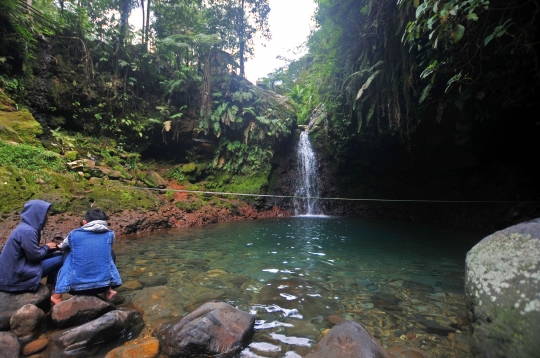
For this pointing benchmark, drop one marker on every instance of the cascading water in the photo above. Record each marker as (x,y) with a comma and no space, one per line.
(307,182)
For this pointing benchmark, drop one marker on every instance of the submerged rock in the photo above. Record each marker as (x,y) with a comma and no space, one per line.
(348,340)
(402,351)
(215,328)
(502,285)
(149,348)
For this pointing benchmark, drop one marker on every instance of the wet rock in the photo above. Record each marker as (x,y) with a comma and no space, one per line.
(146,349)
(95,181)
(35,346)
(12,301)
(434,326)
(79,310)
(111,173)
(27,323)
(202,297)
(417,286)
(130,286)
(148,280)
(154,180)
(348,340)
(388,298)
(215,328)
(158,302)
(9,344)
(335,319)
(401,351)
(502,286)
(75,342)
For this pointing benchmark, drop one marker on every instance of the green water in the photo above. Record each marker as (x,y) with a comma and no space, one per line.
(294,273)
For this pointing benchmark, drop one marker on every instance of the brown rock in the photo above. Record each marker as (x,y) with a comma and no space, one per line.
(35,346)
(111,173)
(349,339)
(9,345)
(130,285)
(95,181)
(411,335)
(215,328)
(401,351)
(335,319)
(147,349)
(27,321)
(79,310)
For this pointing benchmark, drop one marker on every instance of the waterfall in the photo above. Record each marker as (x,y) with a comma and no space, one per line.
(307,182)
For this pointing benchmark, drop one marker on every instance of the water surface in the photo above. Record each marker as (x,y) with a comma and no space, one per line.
(400,279)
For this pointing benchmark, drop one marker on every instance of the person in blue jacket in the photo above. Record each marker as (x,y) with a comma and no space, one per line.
(23,262)
(89,267)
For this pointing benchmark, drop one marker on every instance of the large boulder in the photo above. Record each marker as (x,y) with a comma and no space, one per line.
(348,340)
(502,285)
(214,329)
(9,345)
(79,310)
(154,180)
(12,301)
(78,341)
(27,323)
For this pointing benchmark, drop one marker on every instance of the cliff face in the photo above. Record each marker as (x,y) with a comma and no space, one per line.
(493,166)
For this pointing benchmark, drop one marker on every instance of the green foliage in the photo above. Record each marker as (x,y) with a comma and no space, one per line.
(29,157)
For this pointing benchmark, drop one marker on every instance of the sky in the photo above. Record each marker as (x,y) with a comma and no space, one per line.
(290,23)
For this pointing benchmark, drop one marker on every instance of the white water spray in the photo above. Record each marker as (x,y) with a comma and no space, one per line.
(307,182)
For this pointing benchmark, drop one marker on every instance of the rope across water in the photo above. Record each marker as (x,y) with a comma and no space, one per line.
(323,198)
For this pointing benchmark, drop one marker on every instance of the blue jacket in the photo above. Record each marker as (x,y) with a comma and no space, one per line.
(89,263)
(20,260)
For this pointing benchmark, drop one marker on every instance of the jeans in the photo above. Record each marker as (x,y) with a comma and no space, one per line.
(51,264)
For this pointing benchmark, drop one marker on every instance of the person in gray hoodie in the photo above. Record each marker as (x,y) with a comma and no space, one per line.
(23,262)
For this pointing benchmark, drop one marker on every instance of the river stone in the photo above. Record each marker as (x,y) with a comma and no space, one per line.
(348,340)
(9,345)
(215,328)
(79,310)
(76,342)
(35,346)
(27,323)
(402,351)
(148,348)
(502,286)
(154,280)
(12,301)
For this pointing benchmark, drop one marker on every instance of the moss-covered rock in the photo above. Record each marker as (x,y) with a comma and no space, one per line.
(502,285)
(189,168)
(71,155)
(19,126)
(154,180)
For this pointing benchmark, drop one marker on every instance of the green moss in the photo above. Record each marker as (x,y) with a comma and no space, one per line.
(19,126)
(189,205)
(71,155)
(189,168)
(112,198)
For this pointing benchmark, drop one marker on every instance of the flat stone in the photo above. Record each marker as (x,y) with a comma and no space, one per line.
(78,310)
(149,348)
(148,280)
(434,326)
(388,298)
(130,286)
(35,346)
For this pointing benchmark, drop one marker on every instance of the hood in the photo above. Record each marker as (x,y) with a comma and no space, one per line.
(34,213)
(96,226)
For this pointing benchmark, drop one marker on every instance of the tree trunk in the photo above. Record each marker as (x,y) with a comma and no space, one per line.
(147,20)
(143,18)
(242,43)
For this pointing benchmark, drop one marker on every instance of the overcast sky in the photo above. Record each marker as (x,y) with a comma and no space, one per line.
(290,22)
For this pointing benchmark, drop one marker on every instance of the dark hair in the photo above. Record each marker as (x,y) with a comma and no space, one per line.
(95,214)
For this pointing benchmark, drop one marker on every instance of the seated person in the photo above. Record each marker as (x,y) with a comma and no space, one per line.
(23,262)
(89,267)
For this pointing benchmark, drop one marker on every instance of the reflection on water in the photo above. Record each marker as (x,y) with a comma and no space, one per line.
(402,280)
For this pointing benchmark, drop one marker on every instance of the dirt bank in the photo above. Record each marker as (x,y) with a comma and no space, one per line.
(129,222)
